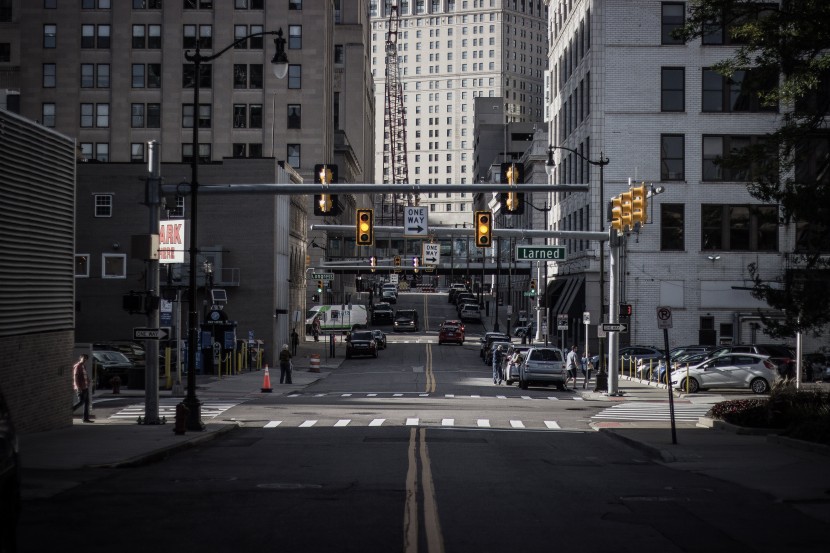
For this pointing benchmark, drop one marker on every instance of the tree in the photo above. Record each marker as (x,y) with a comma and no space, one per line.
(787,46)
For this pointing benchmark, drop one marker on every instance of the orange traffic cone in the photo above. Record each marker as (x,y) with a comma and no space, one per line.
(266,380)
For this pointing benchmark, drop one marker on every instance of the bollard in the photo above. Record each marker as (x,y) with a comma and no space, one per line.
(116,385)
(314,362)
(181,418)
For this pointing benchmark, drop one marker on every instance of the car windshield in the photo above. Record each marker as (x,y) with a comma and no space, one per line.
(362,336)
(545,355)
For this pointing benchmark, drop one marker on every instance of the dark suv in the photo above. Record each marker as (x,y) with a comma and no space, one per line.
(382,313)
(406,319)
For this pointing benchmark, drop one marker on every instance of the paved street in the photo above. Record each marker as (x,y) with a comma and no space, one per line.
(415,451)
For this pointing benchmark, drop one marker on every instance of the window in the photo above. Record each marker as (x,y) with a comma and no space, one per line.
(145,115)
(153,116)
(718,33)
(153,75)
(673,17)
(138,75)
(715,148)
(256,116)
(50,34)
(240,117)
(295,37)
(102,151)
(113,265)
(737,93)
(672,157)
(295,4)
(672,89)
(139,36)
(295,76)
(103,80)
(206,37)
(255,150)
(338,54)
(87,111)
(146,4)
(240,75)
(102,115)
(293,155)
(189,37)
(48,115)
(154,37)
(204,153)
(103,36)
(204,116)
(189,74)
(238,150)
(137,116)
(672,222)
(294,116)
(103,205)
(248,4)
(82,265)
(739,227)
(137,152)
(49,75)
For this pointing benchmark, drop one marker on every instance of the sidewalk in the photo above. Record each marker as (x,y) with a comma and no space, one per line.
(787,470)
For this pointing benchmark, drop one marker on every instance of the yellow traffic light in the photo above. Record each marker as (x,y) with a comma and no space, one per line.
(365,227)
(616,213)
(639,204)
(625,200)
(483,223)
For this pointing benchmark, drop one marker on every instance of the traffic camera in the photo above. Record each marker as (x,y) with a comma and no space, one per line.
(483,223)
(365,227)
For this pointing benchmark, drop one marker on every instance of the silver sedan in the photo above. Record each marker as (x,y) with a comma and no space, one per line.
(733,370)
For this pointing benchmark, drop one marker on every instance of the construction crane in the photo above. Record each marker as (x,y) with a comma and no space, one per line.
(395,164)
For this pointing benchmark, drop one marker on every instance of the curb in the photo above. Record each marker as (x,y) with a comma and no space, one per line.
(166,451)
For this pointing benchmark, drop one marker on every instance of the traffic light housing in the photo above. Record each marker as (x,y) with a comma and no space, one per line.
(373,261)
(513,202)
(365,227)
(397,263)
(616,213)
(325,204)
(625,201)
(484,228)
(416,263)
(533,286)
(319,286)
(639,204)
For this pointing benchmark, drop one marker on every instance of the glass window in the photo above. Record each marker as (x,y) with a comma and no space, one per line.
(338,54)
(255,150)
(103,75)
(137,116)
(87,75)
(293,155)
(206,36)
(673,17)
(715,149)
(239,33)
(240,117)
(102,115)
(48,115)
(240,75)
(153,116)
(87,111)
(673,89)
(256,116)
(49,75)
(204,116)
(137,152)
(294,116)
(295,76)
(205,75)
(739,227)
(672,157)
(50,34)
(103,36)
(295,4)
(114,265)
(295,37)
(256,42)
(238,150)
(153,75)
(189,37)
(103,205)
(138,75)
(154,36)
(87,36)
(672,225)
(255,71)
(139,38)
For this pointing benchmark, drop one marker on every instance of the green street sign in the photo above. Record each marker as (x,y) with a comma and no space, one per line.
(536,253)
(322,276)
(529,294)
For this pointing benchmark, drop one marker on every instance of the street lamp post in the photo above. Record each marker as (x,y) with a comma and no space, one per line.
(280,61)
(602,376)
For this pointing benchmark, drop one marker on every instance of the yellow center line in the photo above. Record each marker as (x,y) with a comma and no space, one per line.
(411,521)
(432,523)
(410,515)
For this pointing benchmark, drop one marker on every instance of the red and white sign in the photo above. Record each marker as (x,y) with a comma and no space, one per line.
(171,241)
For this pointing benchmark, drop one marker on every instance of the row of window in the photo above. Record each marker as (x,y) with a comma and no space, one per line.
(715,147)
(100,152)
(720,94)
(722,227)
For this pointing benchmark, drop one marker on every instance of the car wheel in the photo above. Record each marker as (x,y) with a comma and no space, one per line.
(759,386)
(693,385)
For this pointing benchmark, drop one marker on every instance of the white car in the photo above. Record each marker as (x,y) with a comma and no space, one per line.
(470,312)
(732,370)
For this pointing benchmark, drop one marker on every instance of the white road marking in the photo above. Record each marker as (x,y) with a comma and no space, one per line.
(484,423)
(517,424)
(412,422)
(553,425)
(343,422)
(377,422)
(308,424)
(447,422)
(273,424)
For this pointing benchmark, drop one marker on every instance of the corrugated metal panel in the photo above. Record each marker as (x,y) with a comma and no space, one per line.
(37,228)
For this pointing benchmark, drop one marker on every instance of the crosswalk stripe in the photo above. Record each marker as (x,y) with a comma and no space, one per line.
(343,422)
(412,422)
(484,423)
(345,395)
(553,425)
(653,412)
(376,422)
(447,422)
(371,395)
(501,397)
(526,397)
(517,424)
(553,398)
(308,424)
(273,424)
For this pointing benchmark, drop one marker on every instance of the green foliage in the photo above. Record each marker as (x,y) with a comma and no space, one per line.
(792,166)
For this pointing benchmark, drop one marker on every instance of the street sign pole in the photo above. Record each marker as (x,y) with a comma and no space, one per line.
(613,316)
(664,321)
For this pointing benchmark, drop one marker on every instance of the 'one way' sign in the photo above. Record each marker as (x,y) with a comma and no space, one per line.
(431,254)
(415,223)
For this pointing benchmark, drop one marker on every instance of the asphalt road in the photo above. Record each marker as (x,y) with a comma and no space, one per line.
(312,472)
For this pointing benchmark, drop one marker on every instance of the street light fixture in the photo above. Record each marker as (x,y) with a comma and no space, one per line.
(280,67)
(602,376)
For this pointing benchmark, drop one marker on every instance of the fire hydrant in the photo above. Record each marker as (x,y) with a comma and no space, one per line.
(181,418)
(116,385)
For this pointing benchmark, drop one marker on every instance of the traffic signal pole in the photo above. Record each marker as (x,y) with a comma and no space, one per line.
(613,314)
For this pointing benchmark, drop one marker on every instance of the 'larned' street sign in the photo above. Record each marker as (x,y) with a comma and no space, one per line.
(151,333)
(322,276)
(532,253)
(615,327)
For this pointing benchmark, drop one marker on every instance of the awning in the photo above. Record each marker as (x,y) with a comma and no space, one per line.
(567,295)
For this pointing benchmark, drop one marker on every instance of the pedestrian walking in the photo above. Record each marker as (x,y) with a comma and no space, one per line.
(497,355)
(295,341)
(572,365)
(80,382)
(315,329)
(285,365)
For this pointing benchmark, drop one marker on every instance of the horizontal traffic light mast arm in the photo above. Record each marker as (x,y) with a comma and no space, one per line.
(453,231)
(355,188)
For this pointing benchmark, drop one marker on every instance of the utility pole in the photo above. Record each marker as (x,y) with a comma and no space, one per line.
(151,346)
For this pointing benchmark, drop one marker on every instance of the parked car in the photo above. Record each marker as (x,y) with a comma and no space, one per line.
(687,350)
(816,367)
(382,313)
(455,289)
(380,338)
(389,287)
(512,360)
(406,319)
(489,338)
(730,370)
(361,342)
(470,312)
(451,333)
(106,365)
(9,479)
(131,350)
(543,365)
(783,356)
(464,297)
(630,355)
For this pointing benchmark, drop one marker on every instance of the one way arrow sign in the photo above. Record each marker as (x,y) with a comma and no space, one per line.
(415,221)
(431,253)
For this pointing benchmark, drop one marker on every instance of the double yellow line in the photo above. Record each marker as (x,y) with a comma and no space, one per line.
(430,374)
(432,525)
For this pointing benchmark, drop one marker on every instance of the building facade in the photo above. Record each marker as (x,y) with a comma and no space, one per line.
(621,87)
